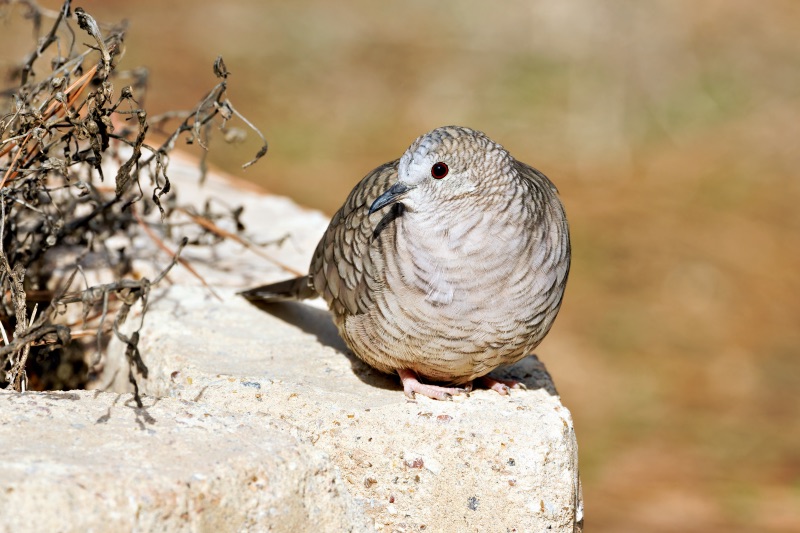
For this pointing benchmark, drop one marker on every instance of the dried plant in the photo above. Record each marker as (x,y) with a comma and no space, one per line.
(61,125)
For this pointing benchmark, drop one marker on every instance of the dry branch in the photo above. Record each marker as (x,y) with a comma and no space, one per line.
(58,127)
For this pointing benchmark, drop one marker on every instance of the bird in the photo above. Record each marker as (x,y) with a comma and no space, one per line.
(442,265)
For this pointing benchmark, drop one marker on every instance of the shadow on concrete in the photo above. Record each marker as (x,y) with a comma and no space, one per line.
(530,372)
(319,323)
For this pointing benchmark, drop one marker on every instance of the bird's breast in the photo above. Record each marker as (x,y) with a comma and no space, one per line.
(457,262)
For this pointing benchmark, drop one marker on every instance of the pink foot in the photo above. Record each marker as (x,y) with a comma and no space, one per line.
(502,386)
(411,385)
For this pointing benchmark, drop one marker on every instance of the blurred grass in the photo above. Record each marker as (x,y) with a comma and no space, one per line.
(672,129)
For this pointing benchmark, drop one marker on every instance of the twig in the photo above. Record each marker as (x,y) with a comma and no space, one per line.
(50,39)
(184,263)
(209,225)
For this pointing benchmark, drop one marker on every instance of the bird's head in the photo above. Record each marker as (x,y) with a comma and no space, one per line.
(446,164)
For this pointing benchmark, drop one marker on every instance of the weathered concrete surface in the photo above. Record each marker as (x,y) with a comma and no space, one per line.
(281,384)
(90,461)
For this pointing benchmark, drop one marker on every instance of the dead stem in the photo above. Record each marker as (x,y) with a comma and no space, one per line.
(59,129)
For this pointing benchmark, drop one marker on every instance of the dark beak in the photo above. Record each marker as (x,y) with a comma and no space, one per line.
(389,197)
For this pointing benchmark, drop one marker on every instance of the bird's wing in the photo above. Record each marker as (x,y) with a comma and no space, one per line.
(346,266)
(555,222)
(530,173)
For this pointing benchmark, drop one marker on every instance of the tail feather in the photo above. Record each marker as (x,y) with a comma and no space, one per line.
(290,289)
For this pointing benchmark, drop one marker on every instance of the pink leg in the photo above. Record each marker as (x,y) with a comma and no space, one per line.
(502,386)
(411,385)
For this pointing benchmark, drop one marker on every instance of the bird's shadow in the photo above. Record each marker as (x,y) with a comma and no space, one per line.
(320,324)
(529,372)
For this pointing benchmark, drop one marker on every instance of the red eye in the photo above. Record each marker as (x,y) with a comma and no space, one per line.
(439,170)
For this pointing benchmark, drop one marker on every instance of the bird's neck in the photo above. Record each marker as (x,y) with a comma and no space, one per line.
(467,231)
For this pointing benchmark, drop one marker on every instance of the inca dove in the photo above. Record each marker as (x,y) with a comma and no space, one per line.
(442,265)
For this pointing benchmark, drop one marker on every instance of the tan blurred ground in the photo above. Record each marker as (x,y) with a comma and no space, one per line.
(672,129)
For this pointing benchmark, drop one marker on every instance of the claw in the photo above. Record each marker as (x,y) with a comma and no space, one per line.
(412,385)
(502,386)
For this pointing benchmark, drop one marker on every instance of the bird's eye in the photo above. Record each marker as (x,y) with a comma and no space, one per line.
(439,170)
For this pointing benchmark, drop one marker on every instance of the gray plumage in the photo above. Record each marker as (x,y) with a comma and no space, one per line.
(443,278)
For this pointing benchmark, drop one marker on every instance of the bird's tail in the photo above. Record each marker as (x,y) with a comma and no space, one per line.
(290,289)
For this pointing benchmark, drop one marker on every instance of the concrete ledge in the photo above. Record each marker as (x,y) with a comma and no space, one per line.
(88,461)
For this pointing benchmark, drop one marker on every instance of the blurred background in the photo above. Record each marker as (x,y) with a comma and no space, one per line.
(672,129)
